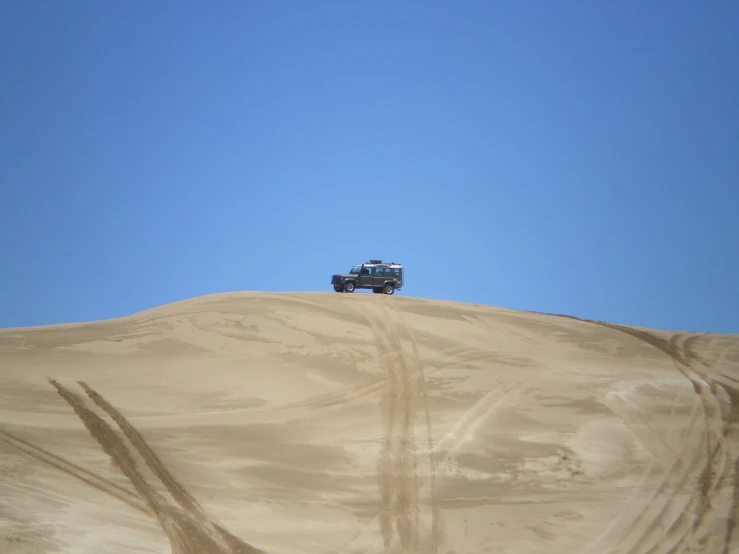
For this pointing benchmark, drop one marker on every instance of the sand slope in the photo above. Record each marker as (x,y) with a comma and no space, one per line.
(334,423)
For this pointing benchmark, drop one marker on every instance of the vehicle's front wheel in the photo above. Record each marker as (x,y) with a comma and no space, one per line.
(349,287)
(388,289)
(337,288)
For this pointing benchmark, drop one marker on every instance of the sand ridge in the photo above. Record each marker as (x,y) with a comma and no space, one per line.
(310,422)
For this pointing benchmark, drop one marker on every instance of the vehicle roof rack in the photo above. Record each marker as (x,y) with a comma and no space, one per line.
(375,262)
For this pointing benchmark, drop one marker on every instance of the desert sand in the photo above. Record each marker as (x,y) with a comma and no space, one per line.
(312,423)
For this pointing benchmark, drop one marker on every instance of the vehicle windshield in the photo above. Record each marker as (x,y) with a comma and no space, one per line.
(355,269)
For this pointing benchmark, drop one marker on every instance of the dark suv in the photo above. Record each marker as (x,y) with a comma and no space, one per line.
(382,278)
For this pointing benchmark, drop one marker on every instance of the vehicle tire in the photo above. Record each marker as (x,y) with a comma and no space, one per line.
(337,288)
(377,290)
(349,287)
(388,288)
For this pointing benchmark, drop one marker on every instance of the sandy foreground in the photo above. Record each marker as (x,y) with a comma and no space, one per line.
(358,423)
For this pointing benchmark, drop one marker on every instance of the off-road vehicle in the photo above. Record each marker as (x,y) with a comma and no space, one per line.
(382,278)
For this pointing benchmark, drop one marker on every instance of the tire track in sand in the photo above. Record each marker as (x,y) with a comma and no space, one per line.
(397,463)
(436,534)
(188,528)
(724,387)
(710,466)
(399,514)
(702,475)
(717,461)
(86,476)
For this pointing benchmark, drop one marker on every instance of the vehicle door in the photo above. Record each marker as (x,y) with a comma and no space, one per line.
(365,276)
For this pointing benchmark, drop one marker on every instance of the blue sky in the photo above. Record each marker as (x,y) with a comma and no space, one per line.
(570,157)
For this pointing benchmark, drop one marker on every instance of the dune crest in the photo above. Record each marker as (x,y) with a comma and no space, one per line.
(322,423)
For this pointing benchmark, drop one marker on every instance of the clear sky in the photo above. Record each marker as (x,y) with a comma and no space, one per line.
(570,157)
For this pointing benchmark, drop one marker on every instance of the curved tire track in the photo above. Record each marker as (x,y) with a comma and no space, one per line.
(712,466)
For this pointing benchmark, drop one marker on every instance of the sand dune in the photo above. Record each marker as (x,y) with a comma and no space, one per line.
(333,423)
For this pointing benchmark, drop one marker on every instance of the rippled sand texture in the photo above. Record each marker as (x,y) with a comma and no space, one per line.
(336,423)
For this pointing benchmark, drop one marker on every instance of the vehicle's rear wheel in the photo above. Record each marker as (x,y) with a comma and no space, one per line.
(389,288)
(349,287)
